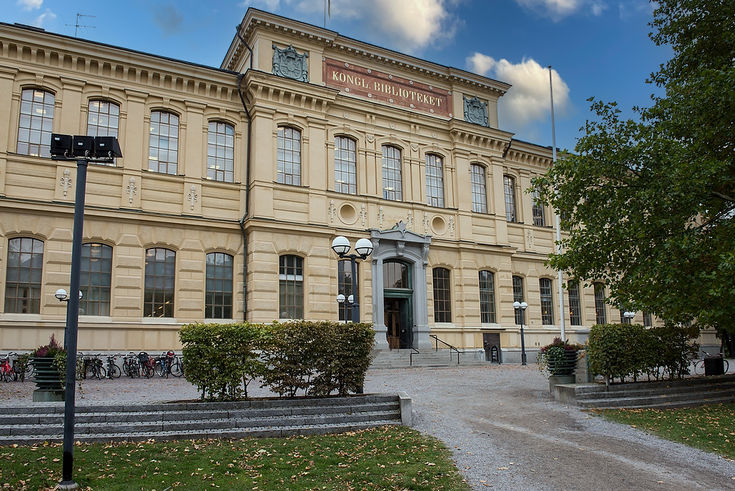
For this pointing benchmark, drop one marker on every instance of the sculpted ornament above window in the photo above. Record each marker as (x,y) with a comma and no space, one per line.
(475,111)
(290,64)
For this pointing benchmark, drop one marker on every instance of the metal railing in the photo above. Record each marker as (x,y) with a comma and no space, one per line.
(451,348)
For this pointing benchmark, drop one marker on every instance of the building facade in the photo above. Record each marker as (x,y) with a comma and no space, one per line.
(235,180)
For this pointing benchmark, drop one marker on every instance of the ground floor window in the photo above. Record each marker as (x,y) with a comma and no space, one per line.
(345,288)
(23,276)
(94,279)
(218,296)
(518,297)
(487,297)
(160,270)
(290,287)
(442,296)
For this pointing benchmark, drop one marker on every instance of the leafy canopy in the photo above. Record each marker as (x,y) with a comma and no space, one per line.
(650,203)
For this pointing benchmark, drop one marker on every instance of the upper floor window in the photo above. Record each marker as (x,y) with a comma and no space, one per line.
(218,294)
(160,268)
(537,209)
(23,276)
(289,156)
(163,144)
(434,181)
(442,296)
(344,286)
(509,186)
(575,308)
(392,180)
(479,194)
(95,278)
(487,297)
(600,315)
(103,119)
(36,122)
(518,297)
(547,304)
(345,165)
(220,151)
(290,287)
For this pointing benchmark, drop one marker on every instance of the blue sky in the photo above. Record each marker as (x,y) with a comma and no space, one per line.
(597,48)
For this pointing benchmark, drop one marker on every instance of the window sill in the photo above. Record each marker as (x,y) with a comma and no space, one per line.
(158,320)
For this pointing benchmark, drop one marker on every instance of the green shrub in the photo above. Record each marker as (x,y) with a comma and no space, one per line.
(314,358)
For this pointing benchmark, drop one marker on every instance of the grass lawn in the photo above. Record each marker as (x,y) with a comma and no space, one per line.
(711,428)
(383,458)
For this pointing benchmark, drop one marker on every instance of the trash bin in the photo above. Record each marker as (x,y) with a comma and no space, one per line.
(714,365)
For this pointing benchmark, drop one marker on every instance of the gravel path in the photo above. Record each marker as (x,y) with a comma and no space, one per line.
(504,430)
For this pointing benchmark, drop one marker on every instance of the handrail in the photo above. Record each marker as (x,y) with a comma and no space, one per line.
(410,355)
(447,345)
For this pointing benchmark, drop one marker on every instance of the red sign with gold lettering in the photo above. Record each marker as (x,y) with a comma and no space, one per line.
(379,86)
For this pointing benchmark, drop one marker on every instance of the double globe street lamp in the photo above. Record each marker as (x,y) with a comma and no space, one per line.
(363,248)
(522,306)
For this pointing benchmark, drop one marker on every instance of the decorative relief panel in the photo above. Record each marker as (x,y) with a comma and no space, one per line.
(290,64)
(475,111)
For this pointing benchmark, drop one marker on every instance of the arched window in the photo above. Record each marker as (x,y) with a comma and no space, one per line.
(23,276)
(442,295)
(392,177)
(487,297)
(509,187)
(291,287)
(547,304)
(344,286)
(36,122)
(600,316)
(479,193)
(103,119)
(345,165)
(575,307)
(220,151)
(289,156)
(539,219)
(218,295)
(95,278)
(163,144)
(518,297)
(160,268)
(434,181)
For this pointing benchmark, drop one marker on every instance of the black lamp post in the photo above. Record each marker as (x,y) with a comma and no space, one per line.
(363,248)
(83,149)
(522,306)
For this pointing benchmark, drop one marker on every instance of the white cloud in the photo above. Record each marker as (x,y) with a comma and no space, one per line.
(528,99)
(269,5)
(47,16)
(30,4)
(558,9)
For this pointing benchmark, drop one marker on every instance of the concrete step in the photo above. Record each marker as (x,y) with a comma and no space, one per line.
(654,391)
(426,358)
(657,400)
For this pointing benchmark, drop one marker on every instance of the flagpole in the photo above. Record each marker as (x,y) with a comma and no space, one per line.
(556,215)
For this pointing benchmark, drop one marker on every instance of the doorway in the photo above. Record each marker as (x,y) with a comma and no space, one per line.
(398,320)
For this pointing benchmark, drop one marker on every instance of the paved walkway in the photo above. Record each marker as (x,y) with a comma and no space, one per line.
(504,430)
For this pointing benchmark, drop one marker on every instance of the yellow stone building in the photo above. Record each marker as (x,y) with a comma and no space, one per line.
(235,180)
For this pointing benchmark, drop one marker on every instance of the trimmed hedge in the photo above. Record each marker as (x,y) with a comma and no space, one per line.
(624,350)
(314,358)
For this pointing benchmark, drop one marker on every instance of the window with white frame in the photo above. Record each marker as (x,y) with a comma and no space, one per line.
(392,177)
(434,181)
(479,194)
(220,151)
(547,304)
(289,156)
(36,122)
(509,188)
(163,143)
(345,165)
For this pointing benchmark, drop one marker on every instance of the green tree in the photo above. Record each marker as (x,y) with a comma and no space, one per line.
(650,203)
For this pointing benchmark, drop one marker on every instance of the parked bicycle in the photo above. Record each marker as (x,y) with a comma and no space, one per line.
(93,367)
(113,371)
(146,364)
(700,363)
(6,369)
(168,364)
(131,366)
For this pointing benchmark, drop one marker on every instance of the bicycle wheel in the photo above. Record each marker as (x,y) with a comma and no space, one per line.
(699,367)
(6,376)
(159,370)
(727,365)
(177,370)
(148,371)
(101,373)
(114,371)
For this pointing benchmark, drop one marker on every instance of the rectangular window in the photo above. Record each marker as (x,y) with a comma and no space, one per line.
(289,156)
(345,288)
(291,287)
(575,308)
(518,297)
(218,294)
(538,210)
(600,316)
(509,187)
(487,297)
(442,296)
(434,181)
(160,268)
(479,195)
(547,304)
(647,319)
(23,276)
(220,151)
(103,119)
(392,179)
(36,122)
(163,143)
(345,165)
(95,278)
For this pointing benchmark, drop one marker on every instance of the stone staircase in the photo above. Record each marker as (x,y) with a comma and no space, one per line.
(404,358)
(43,422)
(664,394)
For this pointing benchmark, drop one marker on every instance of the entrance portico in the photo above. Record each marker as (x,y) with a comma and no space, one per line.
(405,301)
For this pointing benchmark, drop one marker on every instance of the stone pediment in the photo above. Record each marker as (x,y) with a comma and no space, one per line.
(400,233)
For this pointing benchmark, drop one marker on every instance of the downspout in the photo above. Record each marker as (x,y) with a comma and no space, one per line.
(240,78)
